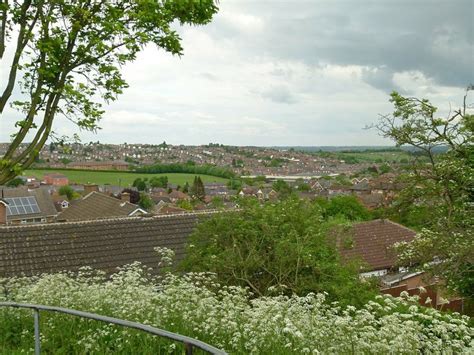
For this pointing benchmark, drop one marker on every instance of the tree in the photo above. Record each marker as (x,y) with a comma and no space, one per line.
(140,184)
(385,168)
(197,189)
(347,207)
(159,181)
(234,184)
(302,186)
(15,182)
(186,187)
(68,192)
(69,54)
(145,201)
(134,195)
(274,247)
(185,205)
(284,190)
(440,185)
(217,202)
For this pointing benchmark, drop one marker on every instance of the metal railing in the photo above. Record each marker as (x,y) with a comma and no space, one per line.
(189,343)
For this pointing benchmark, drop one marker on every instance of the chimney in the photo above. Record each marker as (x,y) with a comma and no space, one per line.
(3,211)
(125,196)
(90,188)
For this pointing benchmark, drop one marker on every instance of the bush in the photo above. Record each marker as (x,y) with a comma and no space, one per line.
(189,168)
(226,317)
(275,248)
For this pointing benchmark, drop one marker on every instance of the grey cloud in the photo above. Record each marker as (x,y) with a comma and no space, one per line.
(433,37)
(279,94)
(380,78)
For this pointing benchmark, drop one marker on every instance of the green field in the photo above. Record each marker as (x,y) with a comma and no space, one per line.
(119,178)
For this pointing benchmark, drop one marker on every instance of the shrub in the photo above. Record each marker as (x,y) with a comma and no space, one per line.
(226,317)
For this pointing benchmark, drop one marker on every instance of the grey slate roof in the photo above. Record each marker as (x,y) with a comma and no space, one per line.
(43,197)
(101,244)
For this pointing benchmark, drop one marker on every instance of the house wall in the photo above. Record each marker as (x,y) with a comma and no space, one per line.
(454,305)
(56,181)
(3,214)
(415,281)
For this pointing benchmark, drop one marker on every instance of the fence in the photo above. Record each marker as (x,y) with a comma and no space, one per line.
(189,343)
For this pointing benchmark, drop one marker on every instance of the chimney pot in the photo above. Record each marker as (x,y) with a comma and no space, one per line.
(90,188)
(125,197)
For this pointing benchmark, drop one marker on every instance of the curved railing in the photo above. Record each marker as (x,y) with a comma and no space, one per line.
(189,343)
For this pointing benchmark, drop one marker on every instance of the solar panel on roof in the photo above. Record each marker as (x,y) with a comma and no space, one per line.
(18,206)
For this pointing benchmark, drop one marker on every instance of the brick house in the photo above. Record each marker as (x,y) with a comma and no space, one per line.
(55,179)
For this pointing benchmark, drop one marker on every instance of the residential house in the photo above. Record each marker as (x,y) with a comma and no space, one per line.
(176,195)
(55,179)
(27,206)
(372,242)
(371,201)
(96,205)
(360,188)
(104,244)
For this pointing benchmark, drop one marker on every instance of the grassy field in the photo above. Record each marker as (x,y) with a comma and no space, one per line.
(122,178)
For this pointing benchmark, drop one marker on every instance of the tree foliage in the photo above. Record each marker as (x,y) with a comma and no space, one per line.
(439,185)
(271,248)
(67,59)
(284,190)
(134,195)
(68,191)
(234,184)
(15,182)
(159,181)
(145,201)
(197,190)
(347,207)
(140,184)
(189,168)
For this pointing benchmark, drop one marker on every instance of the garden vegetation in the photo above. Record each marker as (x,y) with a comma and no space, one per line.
(228,317)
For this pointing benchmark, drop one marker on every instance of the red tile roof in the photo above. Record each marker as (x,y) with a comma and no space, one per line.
(373,242)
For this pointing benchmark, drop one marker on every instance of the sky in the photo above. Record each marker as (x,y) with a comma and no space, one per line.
(279,73)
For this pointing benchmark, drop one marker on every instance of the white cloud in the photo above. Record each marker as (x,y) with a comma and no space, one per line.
(289,73)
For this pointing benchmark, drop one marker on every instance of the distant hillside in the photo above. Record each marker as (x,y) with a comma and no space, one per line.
(375,148)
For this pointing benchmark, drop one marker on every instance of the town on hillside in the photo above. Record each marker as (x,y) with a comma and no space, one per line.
(366,192)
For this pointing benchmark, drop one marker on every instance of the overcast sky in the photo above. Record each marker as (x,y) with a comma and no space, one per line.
(292,73)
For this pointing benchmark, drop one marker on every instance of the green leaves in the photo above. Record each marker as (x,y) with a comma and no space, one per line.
(280,246)
(439,192)
(71,54)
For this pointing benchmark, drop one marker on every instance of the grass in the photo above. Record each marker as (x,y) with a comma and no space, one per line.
(119,178)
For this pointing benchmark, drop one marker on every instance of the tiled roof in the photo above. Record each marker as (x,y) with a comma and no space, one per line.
(371,200)
(373,241)
(97,205)
(101,244)
(43,198)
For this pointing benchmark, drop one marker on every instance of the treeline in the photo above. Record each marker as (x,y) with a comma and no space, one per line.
(206,169)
